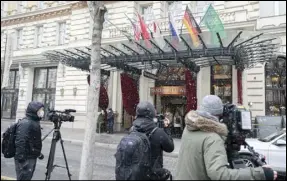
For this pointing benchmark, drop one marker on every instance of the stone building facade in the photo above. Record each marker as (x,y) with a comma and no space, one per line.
(40,26)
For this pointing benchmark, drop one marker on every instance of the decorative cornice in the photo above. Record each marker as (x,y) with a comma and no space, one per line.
(43,14)
(79,5)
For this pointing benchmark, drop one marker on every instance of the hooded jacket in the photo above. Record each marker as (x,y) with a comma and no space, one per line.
(160,140)
(28,141)
(202,154)
(110,116)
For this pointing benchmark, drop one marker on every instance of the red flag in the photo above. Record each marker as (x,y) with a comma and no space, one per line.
(137,31)
(143,26)
(144,31)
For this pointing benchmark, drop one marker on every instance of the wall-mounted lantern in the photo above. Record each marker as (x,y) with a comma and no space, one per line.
(21,92)
(62,90)
(75,89)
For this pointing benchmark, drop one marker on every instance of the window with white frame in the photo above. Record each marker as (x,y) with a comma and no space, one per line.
(147,12)
(20,6)
(3,8)
(39,36)
(272,8)
(174,8)
(41,4)
(19,37)
(62,33)
(201,6)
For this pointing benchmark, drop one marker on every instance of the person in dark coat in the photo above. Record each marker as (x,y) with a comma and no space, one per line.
(28,141)
(110,119)
(160,140)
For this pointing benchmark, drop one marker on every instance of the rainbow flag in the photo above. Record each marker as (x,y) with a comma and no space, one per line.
(191,26)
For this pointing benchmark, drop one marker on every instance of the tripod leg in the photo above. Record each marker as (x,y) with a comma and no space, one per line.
(51,159)
(66,162)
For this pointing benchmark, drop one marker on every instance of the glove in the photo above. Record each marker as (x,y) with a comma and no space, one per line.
(269,173)
(41,157)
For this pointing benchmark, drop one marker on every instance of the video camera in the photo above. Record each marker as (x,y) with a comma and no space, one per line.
(239,125)
(159,120)
(61,116)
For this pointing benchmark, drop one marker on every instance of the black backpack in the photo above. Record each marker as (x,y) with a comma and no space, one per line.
(8,142)
(133,157)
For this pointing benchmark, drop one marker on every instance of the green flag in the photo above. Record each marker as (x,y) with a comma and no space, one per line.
(214,24)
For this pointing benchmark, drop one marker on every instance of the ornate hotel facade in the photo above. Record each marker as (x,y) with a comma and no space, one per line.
(39,26)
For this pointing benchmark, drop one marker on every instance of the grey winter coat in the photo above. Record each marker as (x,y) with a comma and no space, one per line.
(202,154)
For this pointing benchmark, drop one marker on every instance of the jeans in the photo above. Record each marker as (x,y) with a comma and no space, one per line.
(25,170)
(111,127)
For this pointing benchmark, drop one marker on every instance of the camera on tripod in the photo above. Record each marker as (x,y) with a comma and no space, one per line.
(239,125)
(57,117)
(62,116)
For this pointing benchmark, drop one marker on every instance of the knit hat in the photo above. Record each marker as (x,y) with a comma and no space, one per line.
(212,104)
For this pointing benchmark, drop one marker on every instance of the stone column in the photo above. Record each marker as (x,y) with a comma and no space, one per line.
(25,91)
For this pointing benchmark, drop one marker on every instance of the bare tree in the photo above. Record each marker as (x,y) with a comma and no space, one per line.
(97,11)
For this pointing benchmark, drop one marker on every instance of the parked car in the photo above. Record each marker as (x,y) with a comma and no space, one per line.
(273,147)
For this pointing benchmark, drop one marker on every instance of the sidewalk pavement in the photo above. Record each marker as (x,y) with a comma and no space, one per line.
(7,178)
(104,140)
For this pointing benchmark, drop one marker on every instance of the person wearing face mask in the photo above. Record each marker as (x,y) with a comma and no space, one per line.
(28,141)
(202,155)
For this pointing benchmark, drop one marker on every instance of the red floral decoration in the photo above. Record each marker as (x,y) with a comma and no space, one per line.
(130,94)
(239,86)
(190,84)
(103,97)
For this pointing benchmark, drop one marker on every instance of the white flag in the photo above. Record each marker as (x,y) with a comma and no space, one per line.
(7,60)
(158,36)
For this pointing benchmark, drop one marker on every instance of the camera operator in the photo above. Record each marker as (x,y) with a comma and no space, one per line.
(28,142)
(202,153)
(160,140)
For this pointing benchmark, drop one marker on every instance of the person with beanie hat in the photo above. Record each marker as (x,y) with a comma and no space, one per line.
(202,154)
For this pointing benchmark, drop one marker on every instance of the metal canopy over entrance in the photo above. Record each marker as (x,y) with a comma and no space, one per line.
(132,56)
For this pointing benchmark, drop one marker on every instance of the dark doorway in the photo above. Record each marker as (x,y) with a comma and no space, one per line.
(44,87)
(10,96)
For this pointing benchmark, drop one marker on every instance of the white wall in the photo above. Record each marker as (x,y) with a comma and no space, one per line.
(145,85)
(254,90)
(203,84)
